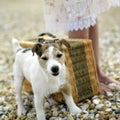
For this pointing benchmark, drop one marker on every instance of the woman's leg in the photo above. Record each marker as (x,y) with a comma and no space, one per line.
(93,35)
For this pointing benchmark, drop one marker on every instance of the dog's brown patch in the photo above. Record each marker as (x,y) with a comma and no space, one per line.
(59,54)
(27,86)
(66,89)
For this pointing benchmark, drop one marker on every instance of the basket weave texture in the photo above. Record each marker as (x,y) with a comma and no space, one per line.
(81,67)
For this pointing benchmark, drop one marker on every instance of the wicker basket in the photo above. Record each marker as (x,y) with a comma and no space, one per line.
(82,69)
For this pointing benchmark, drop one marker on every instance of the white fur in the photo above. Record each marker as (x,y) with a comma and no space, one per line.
(43,82)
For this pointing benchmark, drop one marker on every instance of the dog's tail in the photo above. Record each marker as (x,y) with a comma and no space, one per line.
(16,45)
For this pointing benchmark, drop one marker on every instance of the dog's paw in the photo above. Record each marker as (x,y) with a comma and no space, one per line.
(76,110)
(21,111)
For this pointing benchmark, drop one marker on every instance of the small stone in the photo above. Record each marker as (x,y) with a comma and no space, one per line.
(114,107)
(101,97)
(53,118)
(109,94)
(78,119)
(70,117)
(112,118)
(108,110)
(88,101)
(95,97)
(99,106)
(104,107)
(85,116)
(46,105)
(61,115)
(92,106)
(4,117)
(92,116)
(97,116)
(9,107)
(102,115)
(63,110)
(95,111)
(84,107)
(96,101)
(1,108)
(55,113)
(108,103)
(77,115)
(2,113)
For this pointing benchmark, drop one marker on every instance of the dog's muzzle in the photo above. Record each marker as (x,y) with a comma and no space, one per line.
(55,70)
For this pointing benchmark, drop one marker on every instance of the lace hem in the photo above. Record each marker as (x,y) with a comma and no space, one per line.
(85,23)
(70,26)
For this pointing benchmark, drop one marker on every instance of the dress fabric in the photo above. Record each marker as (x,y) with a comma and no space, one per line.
(69,15)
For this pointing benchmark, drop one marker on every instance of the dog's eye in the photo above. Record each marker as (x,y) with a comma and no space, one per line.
(44,58)
(59,55)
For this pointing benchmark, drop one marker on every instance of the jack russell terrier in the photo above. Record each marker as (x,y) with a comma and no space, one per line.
(44,67)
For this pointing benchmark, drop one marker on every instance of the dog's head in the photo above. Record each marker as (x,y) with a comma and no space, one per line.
(51,56)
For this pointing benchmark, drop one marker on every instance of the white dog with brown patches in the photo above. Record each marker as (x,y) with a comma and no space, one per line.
(44,66)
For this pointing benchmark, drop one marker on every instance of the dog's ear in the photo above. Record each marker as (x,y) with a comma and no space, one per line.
(37,48)
(63,41)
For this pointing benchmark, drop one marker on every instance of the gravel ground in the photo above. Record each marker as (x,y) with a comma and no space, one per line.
(25,20)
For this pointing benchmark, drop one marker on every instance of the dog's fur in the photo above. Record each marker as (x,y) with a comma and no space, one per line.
(44,67)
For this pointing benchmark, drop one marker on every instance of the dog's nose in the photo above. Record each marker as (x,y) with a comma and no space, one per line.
(55,70)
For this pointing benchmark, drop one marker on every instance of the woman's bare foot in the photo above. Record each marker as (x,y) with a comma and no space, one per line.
(105,81)
(104,88)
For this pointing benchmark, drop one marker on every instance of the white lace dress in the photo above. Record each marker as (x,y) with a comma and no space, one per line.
(68,15)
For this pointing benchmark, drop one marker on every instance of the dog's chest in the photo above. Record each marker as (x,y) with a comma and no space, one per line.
(53,87)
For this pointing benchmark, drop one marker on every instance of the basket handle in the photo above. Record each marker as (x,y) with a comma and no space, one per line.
(41,38)
(48,34)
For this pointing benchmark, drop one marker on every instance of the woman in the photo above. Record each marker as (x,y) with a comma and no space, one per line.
(79,18)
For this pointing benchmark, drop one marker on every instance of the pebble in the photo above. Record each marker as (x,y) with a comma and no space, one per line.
(97,116)
(108,104)
(100,107)
(84,107)
(109,94)
(55,113)
(96,101)
(1,108)
(85,116)
(92,116)
(108,110)
(46,105)
(92,106)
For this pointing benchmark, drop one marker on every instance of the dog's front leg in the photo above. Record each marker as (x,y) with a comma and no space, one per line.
(69,99)
(38,99)
(71,104)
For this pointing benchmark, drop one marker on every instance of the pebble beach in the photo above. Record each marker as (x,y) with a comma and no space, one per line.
(23,19)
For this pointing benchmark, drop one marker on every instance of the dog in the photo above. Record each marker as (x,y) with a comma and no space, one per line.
(44,66)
